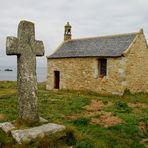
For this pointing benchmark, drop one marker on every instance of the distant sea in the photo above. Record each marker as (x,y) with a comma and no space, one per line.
(12,75)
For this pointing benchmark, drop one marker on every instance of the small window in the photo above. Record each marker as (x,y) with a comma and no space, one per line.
(103,67)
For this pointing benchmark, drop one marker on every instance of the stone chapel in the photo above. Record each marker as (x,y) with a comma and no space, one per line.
(104,64)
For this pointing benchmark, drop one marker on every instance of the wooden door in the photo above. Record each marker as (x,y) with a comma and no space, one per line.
(56,79)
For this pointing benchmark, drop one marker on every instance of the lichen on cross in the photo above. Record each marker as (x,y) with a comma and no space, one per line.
(26,48)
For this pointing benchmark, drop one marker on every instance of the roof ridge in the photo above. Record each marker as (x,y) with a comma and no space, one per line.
(104,36)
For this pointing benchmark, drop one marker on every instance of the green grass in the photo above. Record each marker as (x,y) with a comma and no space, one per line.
(57,106)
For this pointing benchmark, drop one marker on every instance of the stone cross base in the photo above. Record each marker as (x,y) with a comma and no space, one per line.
(27,135)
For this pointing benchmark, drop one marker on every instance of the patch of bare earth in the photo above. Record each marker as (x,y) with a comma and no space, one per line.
(2,117)
(144,142)
(94,109)
(106,120)
(91,114)
(73,117)
(138,105)
(95,105)
(143,127)
(137,110)
(91,110)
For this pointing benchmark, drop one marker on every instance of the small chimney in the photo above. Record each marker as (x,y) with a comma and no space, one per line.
(67,32)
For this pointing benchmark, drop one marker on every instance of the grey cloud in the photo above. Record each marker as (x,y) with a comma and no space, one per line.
(88,18)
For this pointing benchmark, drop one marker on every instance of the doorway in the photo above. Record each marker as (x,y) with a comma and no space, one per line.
(56,79)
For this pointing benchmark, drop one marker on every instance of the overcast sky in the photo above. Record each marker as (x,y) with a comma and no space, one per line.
(87,17)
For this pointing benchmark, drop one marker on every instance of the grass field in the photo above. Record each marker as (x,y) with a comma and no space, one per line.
(97,121)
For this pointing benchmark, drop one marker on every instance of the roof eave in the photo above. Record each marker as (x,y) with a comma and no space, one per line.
(86,57)
(125,52)
(56,49)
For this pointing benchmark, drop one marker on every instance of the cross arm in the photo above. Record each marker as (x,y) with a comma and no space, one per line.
(39,48)
(12,46)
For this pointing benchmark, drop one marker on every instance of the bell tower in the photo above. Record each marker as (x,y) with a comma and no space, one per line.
(67,32)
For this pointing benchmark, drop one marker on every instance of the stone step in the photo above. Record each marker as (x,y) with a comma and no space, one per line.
(27,135)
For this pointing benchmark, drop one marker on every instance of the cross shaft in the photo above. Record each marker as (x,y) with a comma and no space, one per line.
(26,48)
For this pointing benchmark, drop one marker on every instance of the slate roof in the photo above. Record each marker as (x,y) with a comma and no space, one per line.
(106,46)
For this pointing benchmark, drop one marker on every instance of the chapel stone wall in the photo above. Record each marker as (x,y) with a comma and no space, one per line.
(83,74)
(137,65)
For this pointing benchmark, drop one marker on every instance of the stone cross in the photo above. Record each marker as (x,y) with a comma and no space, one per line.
(26,48)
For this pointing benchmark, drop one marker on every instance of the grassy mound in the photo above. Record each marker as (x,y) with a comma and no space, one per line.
(95,120)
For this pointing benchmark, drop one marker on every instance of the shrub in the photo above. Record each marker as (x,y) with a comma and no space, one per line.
(81,121)
(105,102)
(71,136)
(122,107)
(127,92)
(85,143)
(5,139)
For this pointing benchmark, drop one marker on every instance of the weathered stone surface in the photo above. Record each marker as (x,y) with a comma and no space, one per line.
(42,120)
(137,65)
(27,135)
(67,33)
(26,48)
(83,74)
(7,126)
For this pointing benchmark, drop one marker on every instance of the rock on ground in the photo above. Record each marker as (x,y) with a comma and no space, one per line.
(27,135)
(7,127)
